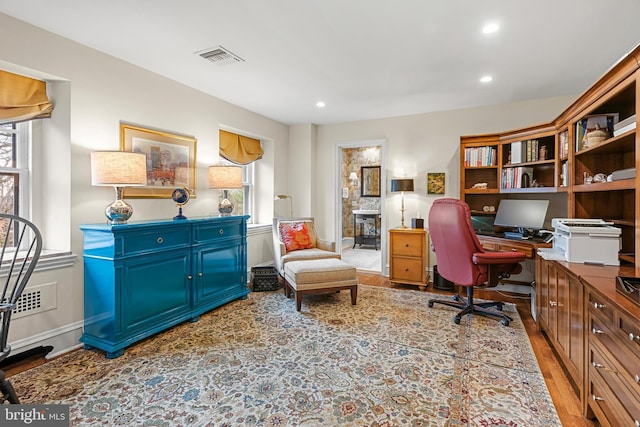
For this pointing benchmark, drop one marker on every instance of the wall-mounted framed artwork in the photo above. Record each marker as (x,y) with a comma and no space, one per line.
(435,183)
(370,176)
(171,161)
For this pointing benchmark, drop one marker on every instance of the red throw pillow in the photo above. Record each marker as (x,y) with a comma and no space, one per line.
(296,236)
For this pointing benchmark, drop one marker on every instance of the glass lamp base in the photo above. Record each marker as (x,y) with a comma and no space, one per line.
(225,207)
(118,212)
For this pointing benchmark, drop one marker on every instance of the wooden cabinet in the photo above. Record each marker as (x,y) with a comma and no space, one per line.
(408,258)
(580,174)
(560,313)
(614,363)
(141,278)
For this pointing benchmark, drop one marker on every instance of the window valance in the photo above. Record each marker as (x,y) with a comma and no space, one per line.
(239,149)
(22,98)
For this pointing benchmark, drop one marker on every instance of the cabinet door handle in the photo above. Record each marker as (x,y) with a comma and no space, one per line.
(199,274)
(160,240)
(601,366)
(597,331)
(634,337)
(597,305)
(189,277)
(553,303)
(637,423)
(597,398)
(637,378)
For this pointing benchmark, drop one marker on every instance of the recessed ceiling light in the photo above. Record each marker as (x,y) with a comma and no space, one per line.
(320,104)
(491,27)
(486,79)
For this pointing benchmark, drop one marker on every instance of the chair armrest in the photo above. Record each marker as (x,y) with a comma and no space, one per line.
(483,258)
(326,245)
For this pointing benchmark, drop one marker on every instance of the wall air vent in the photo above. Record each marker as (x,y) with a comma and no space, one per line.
(219,55)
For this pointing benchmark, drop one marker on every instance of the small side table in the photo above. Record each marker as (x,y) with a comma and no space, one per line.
(408,256)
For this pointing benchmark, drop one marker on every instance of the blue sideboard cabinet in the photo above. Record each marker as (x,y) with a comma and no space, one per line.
(143,277)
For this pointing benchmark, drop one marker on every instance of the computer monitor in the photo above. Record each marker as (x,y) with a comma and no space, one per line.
(523,216)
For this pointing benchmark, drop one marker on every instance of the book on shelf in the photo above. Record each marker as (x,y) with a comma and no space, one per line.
(480,156)
(517,177)
(516,152)
(563,141)
(624,125)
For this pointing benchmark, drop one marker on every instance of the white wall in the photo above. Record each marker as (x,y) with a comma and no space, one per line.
(416,145)
(97,92)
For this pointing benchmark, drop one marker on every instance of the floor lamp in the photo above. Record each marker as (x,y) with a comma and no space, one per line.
(402,185)
(284,196)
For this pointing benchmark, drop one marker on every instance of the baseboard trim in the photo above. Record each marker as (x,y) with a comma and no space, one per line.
(62,339)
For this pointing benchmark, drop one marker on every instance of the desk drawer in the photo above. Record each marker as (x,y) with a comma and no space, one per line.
(408,245)
(528,250)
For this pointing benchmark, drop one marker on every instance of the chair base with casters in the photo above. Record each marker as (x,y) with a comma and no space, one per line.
(468,306)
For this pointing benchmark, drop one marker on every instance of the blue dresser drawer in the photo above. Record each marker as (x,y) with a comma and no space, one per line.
(151,240)
(222,230)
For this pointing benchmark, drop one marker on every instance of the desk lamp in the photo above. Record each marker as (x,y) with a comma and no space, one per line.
(118,169)
(402,185)
(225,178)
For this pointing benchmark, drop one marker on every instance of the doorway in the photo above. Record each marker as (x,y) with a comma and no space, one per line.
(360,219)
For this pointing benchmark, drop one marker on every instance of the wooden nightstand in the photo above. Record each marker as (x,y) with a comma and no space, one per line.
(408,256)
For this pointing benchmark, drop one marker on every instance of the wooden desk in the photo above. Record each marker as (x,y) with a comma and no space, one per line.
(502,244)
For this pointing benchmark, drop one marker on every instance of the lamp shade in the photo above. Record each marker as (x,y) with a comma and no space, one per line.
(225,177)
(118,168)
(402,185)
(353,176)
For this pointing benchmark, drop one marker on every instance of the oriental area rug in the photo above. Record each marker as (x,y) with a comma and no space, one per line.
(388,361)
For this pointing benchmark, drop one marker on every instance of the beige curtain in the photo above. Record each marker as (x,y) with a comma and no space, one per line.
(239,149)
(22,98)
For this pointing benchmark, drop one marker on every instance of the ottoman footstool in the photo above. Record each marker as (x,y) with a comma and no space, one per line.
(319,276)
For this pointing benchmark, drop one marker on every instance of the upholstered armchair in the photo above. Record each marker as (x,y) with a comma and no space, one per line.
(463,261)
(295,239)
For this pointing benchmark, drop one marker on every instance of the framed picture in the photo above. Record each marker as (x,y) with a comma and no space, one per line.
(171,161)
(435,183)
(370,181)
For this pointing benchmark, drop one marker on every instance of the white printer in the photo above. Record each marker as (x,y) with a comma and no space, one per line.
(592,241)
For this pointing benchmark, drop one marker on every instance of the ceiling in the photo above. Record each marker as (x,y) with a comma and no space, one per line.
(366,59)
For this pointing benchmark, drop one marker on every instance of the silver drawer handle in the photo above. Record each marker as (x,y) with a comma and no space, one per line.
(597,305)
(637,378)
(597,331)
(160,240)
(596,398)
(637,423)
(601,366)
(634,337)
(553,303)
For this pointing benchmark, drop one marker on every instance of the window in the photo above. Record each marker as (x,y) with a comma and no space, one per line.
(242,198)
(14,168)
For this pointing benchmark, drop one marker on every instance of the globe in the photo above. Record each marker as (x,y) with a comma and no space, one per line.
(181,197)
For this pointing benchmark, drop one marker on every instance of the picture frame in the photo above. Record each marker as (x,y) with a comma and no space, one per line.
(370,177)
(171,161)
(435,182)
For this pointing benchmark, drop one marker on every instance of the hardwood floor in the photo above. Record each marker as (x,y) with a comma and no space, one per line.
(564,398)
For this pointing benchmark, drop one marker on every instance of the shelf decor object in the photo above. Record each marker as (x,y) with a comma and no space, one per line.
(225,178)
(118,169)
(284,196)
(181,197)
(402,185)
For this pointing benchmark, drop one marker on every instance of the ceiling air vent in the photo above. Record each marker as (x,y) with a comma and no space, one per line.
(219,55)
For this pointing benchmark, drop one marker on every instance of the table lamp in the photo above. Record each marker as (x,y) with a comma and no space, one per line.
(118,169)
(284,196)
(225,178)
(402,185)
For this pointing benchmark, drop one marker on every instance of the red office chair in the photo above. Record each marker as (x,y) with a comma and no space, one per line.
(463,261)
